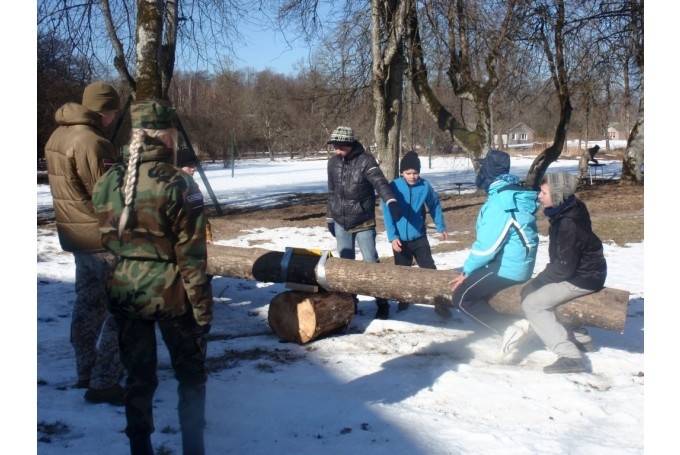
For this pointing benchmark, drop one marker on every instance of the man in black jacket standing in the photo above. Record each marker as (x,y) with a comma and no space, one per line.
(353,179)
(577,267)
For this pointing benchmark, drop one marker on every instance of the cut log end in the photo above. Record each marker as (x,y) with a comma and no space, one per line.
(301,317)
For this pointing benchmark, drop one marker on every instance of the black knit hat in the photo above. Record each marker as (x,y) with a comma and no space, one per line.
(186,157)
(410,161)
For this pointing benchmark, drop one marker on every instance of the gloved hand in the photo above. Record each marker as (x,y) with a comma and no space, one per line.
(395,210)
(331,227)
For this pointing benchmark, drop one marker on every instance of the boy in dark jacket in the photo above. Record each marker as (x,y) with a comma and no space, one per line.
(577,267)
(353,179)
(408,235)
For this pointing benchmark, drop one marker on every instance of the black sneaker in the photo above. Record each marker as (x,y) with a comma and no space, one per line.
(403,306)
(585,347)
(114,395)
(442,311)
(81,384)
(383,310)
(566,365)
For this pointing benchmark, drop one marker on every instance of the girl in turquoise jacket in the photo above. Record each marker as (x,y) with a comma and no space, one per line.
(504,251)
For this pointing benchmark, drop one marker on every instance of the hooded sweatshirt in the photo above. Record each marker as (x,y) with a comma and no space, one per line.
(77,155)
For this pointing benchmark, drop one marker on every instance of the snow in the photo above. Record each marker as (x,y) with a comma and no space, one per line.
(262,183)
(408,385)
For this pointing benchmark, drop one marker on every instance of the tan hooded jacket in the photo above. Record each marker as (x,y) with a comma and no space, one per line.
(77,155)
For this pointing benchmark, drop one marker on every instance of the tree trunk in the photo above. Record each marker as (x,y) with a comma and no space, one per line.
(634,157)
(149,36)
(387,26)
(606,309)
(301,317)
(549,155)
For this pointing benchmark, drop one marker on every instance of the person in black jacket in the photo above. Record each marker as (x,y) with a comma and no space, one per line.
(577,267)
(353,178)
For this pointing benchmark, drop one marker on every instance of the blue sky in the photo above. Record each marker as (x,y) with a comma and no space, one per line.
(261,45)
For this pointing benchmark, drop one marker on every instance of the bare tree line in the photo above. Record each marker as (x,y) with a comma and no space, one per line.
(471,68)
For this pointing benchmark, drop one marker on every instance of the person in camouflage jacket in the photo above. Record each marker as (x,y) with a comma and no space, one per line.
(151,216)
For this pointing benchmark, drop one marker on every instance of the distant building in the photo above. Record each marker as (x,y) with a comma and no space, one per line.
(521,134)
(616,131)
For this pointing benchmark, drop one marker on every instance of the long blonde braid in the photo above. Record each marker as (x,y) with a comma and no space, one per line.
(135,149)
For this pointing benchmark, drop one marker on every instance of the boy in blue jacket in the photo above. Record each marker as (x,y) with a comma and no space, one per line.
(504,251)
(408,235)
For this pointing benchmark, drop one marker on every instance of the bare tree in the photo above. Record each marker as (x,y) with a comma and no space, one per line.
(388,22)
(473,53)
(141,37)
(551,18)
(635,150)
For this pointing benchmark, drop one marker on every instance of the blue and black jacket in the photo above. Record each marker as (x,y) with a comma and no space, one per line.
(413,200)
(506,230)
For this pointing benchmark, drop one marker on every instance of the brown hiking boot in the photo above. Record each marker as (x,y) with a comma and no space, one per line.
(114,395)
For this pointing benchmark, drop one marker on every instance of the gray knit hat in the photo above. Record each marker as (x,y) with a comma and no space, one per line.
(562,185)
(342,135)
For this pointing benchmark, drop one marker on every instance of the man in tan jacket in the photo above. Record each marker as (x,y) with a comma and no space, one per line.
(78,154)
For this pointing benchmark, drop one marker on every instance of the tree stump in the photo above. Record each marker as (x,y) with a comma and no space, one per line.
(302,316)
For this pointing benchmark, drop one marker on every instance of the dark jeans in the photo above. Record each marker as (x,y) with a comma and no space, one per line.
(472,295)
(186,342)
(418,249)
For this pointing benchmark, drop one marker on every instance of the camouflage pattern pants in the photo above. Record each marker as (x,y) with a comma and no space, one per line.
(93,329)
(186,342)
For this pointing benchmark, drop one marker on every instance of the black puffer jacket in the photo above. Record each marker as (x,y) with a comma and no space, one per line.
(352,183)
(575,251)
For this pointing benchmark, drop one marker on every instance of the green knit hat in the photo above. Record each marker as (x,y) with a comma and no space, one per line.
(152,114)
(100,97)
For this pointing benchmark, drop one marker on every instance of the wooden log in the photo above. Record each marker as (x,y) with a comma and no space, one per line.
(302,316)
(606,309)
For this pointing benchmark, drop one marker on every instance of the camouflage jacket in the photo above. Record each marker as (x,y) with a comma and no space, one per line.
(162,253)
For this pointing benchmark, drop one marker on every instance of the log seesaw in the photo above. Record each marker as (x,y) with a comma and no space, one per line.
(305,313)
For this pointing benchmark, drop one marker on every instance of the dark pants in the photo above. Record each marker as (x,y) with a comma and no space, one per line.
(472,295)
(418,249)
(186,343)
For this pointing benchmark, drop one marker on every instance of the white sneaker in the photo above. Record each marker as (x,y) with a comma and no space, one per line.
(514,336)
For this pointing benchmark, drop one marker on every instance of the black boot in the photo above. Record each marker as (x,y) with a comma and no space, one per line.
(356,306)
(442,311)
(403,306)
(114,395)
(192,417)
(566,365)
(141,445)
(383,309)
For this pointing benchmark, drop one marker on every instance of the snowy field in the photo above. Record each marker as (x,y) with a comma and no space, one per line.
(262,183)
(409,385)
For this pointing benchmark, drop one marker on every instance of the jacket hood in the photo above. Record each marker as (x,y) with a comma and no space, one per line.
(77,114)
(357,150)
(513,197)
(150,152)
(493,165)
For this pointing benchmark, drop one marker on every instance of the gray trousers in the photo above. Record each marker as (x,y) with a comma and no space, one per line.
(94,332)
(539,310)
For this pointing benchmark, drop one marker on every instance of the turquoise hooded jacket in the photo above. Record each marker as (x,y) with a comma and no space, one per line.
(506,230)
(412,200)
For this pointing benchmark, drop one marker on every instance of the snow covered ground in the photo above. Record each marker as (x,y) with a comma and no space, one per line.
(409,385)
(262,183)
